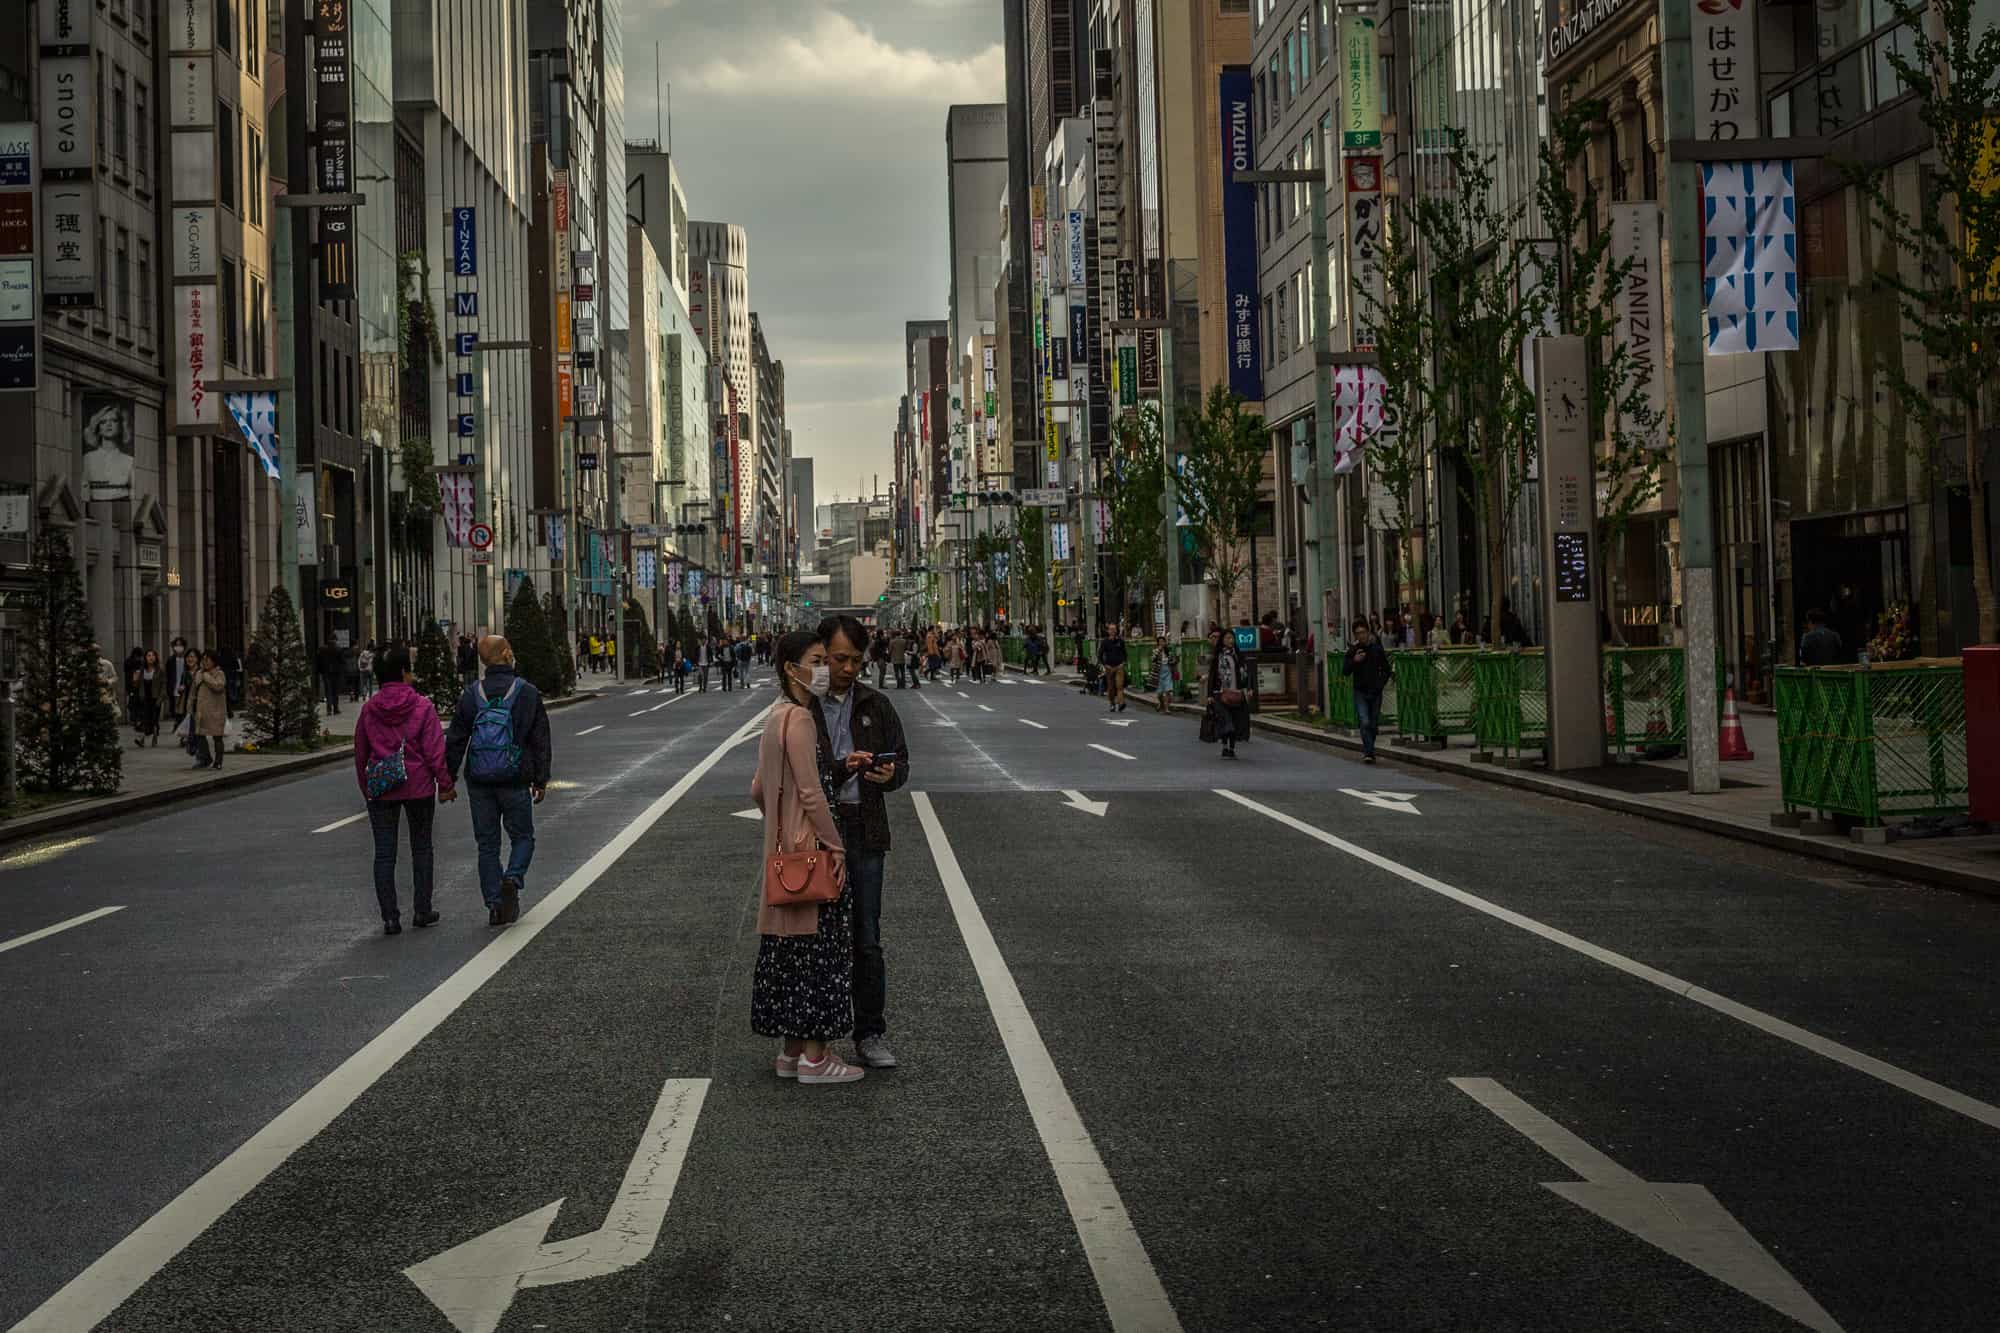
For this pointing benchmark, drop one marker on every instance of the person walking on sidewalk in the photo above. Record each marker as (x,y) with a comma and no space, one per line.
(1228,692)
(208,703)
(326,665)
(148,692)
(180,679)
(1368,666)
(1820,645)
(725,658)
(1112,655)
(399,761)
(802,991)
(364,666)
(500,733)
(872,758)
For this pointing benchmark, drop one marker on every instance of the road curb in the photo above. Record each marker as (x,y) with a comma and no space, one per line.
(112,808)
(1841,853)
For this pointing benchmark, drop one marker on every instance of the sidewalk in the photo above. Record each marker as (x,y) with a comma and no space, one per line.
(1657,789)
(165,775)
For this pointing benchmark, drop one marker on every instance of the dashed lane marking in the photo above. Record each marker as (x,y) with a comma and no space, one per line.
(1936,1093)
(1030,722)
(1118,754)
(587,730)
(985,708)
(341,823)
(57,928)
(1133,1295)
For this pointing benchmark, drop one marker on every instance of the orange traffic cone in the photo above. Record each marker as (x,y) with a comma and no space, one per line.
(1732,744)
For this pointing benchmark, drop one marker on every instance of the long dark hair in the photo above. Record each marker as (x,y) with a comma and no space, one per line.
(789,650)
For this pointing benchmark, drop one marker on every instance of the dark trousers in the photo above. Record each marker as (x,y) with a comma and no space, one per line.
(331,683)
(1368,711)
(383,817)
(864,882)
(728,675)
(902,675)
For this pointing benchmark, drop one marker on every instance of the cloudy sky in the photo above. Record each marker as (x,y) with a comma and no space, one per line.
(819,126)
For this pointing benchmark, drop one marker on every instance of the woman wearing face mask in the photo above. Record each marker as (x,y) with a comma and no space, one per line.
(149,689)
(803,990)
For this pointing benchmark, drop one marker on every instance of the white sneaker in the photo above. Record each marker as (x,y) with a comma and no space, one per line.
(785,1066)
(875,1053)
(829,1069)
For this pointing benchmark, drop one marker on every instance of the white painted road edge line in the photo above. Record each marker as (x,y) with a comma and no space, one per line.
(340,823)
(1916,1084)
(94,1294)
(1108,750)
(587,730)
(57,928)
(1032,723)
(1133,1295)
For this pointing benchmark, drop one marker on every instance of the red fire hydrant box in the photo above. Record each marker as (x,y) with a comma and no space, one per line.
(1982,730)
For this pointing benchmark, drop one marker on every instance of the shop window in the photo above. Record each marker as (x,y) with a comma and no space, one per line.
(1889,84)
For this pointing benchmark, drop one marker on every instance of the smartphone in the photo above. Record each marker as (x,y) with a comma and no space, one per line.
(885,759)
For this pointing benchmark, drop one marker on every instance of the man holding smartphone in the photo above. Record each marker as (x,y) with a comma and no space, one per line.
(866,740)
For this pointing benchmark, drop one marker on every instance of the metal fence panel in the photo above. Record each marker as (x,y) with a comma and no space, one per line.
(1437,691)
(1874,741)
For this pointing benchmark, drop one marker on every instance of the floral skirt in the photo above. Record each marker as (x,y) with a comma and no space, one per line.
(804,986)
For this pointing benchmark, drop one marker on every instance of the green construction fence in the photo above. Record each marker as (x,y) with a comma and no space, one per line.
(1874,741)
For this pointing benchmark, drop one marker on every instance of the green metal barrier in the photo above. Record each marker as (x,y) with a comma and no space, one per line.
(1511,709)
(1065,650)
(1645,697)
(1014,651)
(1873,741)
(1436,691)
(1340,698)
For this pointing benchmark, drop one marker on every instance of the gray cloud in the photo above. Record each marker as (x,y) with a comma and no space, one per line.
(819,126)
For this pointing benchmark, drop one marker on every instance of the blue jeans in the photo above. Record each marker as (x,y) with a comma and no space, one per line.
(383,816)
(491,807)
(1368,708)
(871,979)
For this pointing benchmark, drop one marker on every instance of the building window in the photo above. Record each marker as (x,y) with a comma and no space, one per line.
(1271,113)
(325,388)
(253,178)
(1305,46)
(99,315)
(123,283)
(1284,342)
(251,38)
(1302,298)
(141,25)
(225,155)
(1325,32)
(146,293)
(1291,68)
(232,343)
(1263,112)
(1270,331)
(142,134)
(103,111)
(260,332)
(225,24)
(119,141)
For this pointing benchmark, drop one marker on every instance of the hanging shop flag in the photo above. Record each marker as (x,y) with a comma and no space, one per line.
(256,415)
(673,578)
(1358,413)
(645,567)
(555,542)
(1750,273)
(456,489)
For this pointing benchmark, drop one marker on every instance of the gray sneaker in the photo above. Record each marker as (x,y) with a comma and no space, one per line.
(875,1053)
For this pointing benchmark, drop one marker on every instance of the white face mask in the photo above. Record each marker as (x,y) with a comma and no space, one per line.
(821,682)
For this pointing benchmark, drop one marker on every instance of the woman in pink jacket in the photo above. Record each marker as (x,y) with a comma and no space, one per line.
(399,762)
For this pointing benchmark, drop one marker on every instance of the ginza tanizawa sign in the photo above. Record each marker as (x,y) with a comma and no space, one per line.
(1589,16)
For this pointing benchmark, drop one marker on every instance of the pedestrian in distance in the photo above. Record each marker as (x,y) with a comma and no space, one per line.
(725,655)
(500,735)
(1163,675)
(743,662)
(327,665)
(148,691)
(611,653)
(899,658)
(1820,645)
(878,656)
(468,660)
(1367,665)
(1112,655)
(180,676)
(802,991)
(955,655)
(1227,714)
(364,664)
(399,761)
(208,705)
(995,663)
(872,759)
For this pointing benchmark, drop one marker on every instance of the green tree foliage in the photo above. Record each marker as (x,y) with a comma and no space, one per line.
(1135,487)
(1030,532)
(437,670)
(1948,283)
(281,706)
(528,633)
(638,646)
(67,737)
(559,640)
(1226,447)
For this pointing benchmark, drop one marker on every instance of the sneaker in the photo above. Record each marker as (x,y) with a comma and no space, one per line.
(391,926)
(510,900)
(495,915)
(785,1066)
(829,1069)
(875,1053)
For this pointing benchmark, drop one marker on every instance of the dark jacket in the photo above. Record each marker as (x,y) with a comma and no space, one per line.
(531,728)
(1369,665)
(1112,652)
(878,730)
(1821,646)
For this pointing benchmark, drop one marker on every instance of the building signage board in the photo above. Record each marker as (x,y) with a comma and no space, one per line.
(17,356)
(1364,240)
(1128,376)
(1360,96)
(190,25)
(17,223)
(69,238)
(195,359)
(65,23)
(333,135)
(1239,236)
(1635,241)
(69,117)
(1585,17)
(18,313)
(1128,289)
(1073,237)
(1149,360)
(1724,40)
(192,161)
(193,236)
(464,243)
(17,290)
(17,155)
(191,91)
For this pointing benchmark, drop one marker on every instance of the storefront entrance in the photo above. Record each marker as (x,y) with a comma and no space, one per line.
(1858,567)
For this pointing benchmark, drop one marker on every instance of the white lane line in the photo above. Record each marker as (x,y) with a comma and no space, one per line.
(57,928)
(341,823)
(94,1294)
(587,730)
(1120,754)
(985,708)
(974,745)
(635,714)
(961,694)
(1028,721)
(1916,1084)
(1133,1295)
(668,704)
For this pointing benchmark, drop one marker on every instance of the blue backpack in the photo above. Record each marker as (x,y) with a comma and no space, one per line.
(495,756)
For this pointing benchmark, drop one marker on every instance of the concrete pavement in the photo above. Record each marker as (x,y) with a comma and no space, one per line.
(1281,1043)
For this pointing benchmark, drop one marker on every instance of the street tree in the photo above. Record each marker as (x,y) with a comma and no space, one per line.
(1030,532)
(282,703)
(1224,476)
(1136,484)
(557,621)
(1948,283)
(437,669)
(67,728)
(528,633)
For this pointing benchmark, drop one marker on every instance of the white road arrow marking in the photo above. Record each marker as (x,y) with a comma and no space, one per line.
(1030,722)
(474,1283)
(1078,801)
(1686,1221)
(1406,801)
(1118,721)
(749,814)
(1116,754)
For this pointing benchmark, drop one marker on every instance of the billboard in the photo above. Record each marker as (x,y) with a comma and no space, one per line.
(1239,236)
(194,366)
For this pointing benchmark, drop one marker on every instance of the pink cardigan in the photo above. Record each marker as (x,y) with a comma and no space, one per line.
(788,770)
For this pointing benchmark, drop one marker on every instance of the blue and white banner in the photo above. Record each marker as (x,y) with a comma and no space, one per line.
(1239,236)
(645,567)
(1750,268)
(256,416)
(555,538)
(674,568)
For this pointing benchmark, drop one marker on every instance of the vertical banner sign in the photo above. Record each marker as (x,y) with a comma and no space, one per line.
(1073,238)
(305,516)
(1635,241)
(68,111)
(1360,395)
(1435,57)
(1360,100)
(1128,289)
(192,220)
(645,567)
(333,133)
(1239,236)
(195,362)
(465,340)
(256,415)
(1364,239)
(1149,360)
(1128,376)
(456,489)
(1724,36)
(17,257)
(1079,330)
(1750,274)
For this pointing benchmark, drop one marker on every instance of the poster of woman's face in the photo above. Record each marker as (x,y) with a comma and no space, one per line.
(107,447)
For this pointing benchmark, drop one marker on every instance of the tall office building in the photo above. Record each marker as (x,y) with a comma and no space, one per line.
(724,249)
(975,140)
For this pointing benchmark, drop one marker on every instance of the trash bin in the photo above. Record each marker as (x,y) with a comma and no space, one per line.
(1982,731)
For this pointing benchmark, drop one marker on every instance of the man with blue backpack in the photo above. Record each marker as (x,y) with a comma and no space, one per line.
(500,733)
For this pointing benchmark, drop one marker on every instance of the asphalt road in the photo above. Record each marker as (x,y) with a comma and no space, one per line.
(1286,1042)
